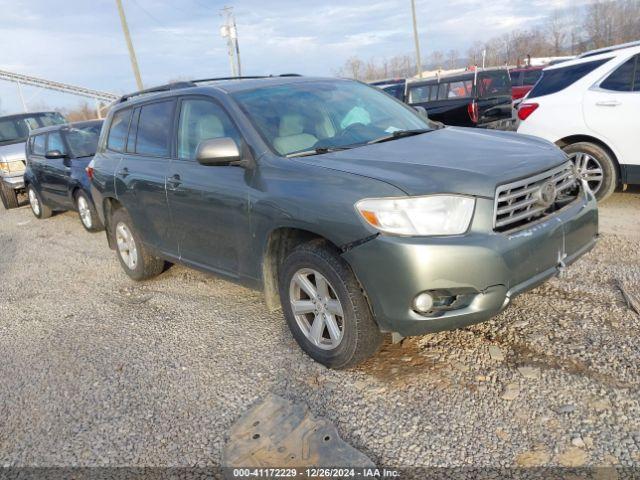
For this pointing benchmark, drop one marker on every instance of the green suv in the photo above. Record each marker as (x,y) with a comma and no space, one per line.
(338,201)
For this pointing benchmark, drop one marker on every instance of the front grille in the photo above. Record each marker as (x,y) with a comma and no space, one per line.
(520,203)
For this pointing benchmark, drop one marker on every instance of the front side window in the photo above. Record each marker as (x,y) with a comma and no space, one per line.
(324,114)
(118,131)
(56,142)
(154,129)
(38,145)
(200,120)
(622,79)
(557,79)
(83,141)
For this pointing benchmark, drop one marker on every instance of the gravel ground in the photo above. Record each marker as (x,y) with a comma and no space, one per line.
(98,370)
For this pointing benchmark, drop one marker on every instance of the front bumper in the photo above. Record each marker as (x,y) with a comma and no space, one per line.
(491,268)
(16,182)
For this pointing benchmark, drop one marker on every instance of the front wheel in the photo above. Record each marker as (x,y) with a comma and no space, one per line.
(134,257)
(595,166)
(87,213)
(325,308)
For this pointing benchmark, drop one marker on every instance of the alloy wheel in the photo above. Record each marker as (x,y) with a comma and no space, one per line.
(84,212)
(588,169)
(126,246)
(316,308)
(34,202)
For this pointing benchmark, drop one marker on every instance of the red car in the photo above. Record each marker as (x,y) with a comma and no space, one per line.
(523,79)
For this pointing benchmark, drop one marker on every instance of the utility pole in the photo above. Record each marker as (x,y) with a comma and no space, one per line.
(24,104)
(230,32)
(127,37)
(416,39)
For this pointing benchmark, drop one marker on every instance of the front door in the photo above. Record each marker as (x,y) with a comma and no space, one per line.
(611,110)
(58,171)
(208,204)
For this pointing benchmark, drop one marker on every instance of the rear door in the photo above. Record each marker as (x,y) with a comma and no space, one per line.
(611,109)
(141,174)
(209,204)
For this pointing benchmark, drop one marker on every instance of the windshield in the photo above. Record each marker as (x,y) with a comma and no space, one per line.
(13,130)
(16,129)
(324,115)
(83,142)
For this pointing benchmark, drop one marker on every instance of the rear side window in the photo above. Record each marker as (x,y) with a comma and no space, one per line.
(38,145)
(419,94)
(553,81)
(154,129)
(622,79)
(118,131)
(530,77)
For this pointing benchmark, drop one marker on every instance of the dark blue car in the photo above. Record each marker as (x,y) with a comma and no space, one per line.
(56,177)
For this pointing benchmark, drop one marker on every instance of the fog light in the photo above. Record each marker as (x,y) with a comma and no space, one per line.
(423,303)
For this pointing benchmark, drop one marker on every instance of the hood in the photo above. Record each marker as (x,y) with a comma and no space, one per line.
(468,161)
(12,153)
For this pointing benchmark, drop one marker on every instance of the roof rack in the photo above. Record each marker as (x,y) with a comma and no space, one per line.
(193,83)
(612,48)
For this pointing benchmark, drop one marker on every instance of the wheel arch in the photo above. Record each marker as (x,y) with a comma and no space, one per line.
(571,139)
(109,205)
(280,241)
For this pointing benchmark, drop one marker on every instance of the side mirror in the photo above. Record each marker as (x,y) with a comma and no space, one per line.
(217,152)
(421,111)
(54,154)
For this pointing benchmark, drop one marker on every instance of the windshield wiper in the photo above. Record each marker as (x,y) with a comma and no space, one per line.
(318,151)
(399,134)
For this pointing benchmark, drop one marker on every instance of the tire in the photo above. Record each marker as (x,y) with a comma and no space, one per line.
(134,257)
(38,207)
(597,158)
(8,196)
(360,336)
(87,213)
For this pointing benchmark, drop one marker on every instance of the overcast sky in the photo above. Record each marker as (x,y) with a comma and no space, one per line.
(81,42)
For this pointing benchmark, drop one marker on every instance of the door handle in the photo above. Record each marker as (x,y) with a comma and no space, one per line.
(608,103)
(174,180)
(123,173)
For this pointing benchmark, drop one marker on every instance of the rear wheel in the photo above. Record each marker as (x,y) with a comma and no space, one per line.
(39,209)
(8,196)
(594,165)
(134,257)
(325,308)
(87,213)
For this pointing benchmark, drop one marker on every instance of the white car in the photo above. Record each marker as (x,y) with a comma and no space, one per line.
(590,107)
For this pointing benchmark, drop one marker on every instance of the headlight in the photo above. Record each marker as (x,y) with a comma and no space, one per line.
(419,216)
(4,167)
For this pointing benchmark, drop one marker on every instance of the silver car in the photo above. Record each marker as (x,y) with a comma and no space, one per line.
(14,130)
